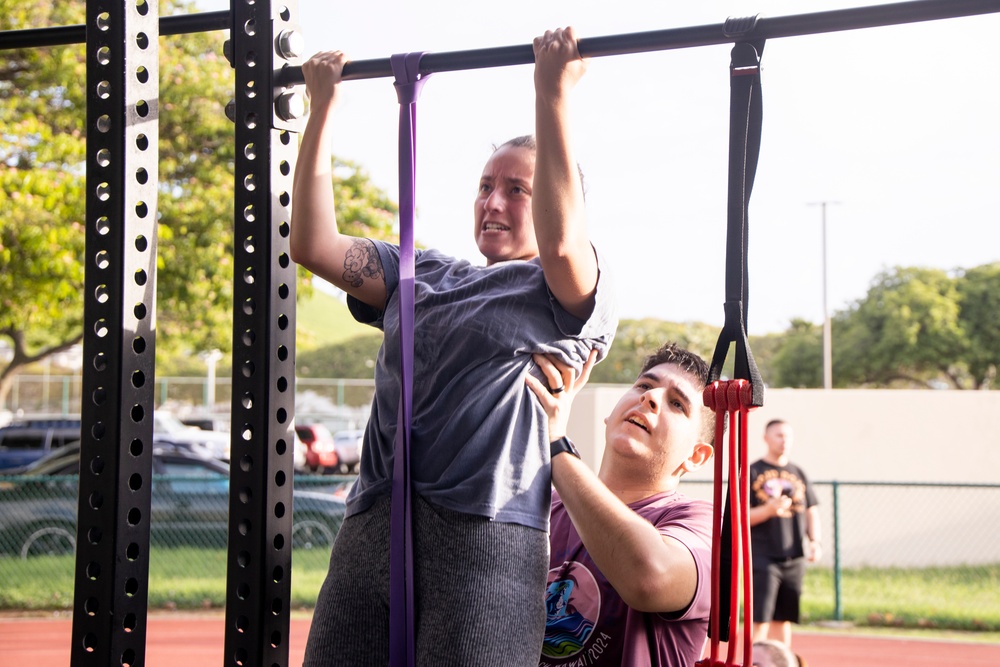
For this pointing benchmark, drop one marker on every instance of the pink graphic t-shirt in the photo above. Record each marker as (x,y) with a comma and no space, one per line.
(587,622)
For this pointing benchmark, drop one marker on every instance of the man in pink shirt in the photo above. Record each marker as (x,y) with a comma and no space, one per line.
(630,564)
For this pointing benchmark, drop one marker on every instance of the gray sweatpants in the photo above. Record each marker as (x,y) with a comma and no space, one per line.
(479,592)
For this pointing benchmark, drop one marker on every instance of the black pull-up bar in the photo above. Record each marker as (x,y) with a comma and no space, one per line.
(679,38)
(590,47)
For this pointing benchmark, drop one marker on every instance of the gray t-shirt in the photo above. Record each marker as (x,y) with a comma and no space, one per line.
(479,441)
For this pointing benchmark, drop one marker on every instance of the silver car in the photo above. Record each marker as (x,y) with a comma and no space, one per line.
(348,445)
(189,505)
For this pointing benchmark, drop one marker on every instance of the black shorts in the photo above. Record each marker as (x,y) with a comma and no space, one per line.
(777,587)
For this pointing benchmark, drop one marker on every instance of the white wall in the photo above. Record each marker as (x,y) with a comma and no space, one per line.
(858,435)
(855,434)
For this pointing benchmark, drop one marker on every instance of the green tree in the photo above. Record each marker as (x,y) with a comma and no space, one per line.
(798,361)
(636,339)
(979,294)
(42,203)
(906,331)
(354,359)
(764,348)
(42,194)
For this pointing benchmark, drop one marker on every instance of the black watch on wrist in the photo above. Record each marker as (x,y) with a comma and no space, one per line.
(561,445)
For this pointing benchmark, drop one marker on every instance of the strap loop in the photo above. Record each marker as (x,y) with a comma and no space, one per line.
(408,80)
(745,121)
(738,26)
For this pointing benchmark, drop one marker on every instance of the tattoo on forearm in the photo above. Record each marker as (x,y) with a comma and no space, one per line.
(362,262)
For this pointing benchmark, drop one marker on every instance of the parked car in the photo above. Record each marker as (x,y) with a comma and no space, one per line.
(166,425)
(321,451)
(189,505)
(348,445)
(25,440)
(299,453)
(207,422)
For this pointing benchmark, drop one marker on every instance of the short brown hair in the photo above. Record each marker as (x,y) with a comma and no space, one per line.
(688,361)
(774,422)
(523,141)
(528,141)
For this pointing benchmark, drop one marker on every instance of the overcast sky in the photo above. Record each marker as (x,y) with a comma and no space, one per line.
(895,126)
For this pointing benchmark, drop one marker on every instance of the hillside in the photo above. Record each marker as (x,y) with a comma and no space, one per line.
(323,319)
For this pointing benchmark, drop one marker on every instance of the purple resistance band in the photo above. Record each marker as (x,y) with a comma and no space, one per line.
(402,653)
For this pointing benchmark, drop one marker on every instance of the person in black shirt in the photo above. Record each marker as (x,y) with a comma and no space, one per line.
(784,532)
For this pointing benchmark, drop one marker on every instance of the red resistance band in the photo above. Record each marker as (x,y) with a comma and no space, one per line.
(732,399)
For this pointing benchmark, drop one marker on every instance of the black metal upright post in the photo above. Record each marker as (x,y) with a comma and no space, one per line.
(260,507)
(112,557)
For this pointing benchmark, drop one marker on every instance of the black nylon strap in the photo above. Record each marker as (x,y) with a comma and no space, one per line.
(745,118)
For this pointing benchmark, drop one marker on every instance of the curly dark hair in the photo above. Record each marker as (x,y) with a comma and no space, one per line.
(672,353)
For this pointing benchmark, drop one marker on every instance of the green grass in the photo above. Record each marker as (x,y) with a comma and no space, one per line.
(954,598)
(179,578)
(961,601)
(45,582)
(322,319)
(175,584)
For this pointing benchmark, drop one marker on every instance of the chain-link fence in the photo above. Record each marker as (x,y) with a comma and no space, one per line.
(61,394)
(903,554)
(895,554)
(188,529)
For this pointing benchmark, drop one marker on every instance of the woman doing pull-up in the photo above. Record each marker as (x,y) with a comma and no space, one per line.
(480,464)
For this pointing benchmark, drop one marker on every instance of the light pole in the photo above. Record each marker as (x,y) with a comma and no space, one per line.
(827,332)
(211,358)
